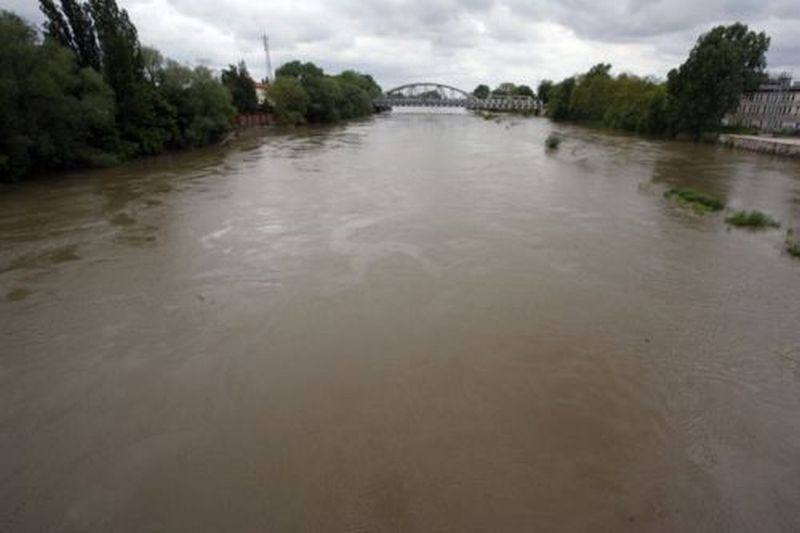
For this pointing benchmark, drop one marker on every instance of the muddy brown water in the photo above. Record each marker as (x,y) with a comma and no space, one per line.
(413,323)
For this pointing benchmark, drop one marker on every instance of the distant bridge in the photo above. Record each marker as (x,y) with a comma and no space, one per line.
(440,95)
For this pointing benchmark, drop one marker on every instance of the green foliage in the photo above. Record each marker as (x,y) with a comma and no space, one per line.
(524,90)
(52,114)
(552,142)
(303,93)
(560,97)
(357,93)
(482,91)
(71,25)
(504,89)
(488,115)
(365,82)
(242,88)
(289,100)
(752,219)
(792,245)
(726,63)
(699,202)
(56,113)
(90,94)
(143,115)
(543,91)
(625,102)
(203,108)
(299,70)
(592,94)
(637,104)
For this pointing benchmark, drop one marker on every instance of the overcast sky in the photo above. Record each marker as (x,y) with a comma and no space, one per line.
(459,42)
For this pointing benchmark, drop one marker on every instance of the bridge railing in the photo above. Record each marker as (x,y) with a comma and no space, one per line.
(498,103)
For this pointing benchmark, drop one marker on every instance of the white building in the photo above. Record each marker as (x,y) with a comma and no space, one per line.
(775,107)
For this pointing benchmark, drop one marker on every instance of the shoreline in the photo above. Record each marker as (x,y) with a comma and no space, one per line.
(782,146)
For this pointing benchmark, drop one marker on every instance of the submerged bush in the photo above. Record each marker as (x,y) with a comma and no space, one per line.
(752,219)
(552,142)
(698,201)
(792,245)
(488,115)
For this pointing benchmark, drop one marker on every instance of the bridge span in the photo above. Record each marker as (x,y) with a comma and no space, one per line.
(440,95)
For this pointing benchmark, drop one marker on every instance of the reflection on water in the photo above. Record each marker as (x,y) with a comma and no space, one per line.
(412,323)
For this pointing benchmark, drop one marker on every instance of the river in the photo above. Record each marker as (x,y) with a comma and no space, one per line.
(411,323)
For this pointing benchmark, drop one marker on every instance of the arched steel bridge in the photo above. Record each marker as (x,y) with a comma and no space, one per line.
(440,95)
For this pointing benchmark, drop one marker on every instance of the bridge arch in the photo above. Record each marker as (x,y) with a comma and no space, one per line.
(430,94)
(428,89)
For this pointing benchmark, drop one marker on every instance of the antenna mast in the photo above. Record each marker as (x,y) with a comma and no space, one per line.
(269,60)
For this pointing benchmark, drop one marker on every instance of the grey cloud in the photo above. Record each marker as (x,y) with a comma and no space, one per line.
(459,41)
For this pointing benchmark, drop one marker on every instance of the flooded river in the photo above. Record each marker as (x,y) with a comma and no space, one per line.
(413,323)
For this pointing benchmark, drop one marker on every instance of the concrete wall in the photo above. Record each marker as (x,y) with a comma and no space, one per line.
(776,146)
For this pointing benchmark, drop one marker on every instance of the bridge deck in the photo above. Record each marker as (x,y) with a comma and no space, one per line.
(489,104)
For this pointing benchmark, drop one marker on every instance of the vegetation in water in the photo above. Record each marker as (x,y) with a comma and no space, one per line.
(488,115)
(724,64)
(697,201)
(552,142)
(792,245)
(752,219)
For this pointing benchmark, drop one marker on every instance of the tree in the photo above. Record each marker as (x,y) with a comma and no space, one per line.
(204,110)
(52,113)
(300,71)
(72,26)
(726,63)
(102,36)
(289,100)
(144,119)
(323,98)
(365,82)
(637,104)
(153,65)
(543,91)
(592,94)
(242,88)
(357,94)
(482,91)
(560,98)
(524,90)
(505,89)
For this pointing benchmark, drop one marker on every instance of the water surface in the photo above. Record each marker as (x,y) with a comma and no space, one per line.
(413,323)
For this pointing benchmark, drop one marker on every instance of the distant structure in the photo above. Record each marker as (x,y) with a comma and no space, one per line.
(261,92)
(439,95)
(775,107)
(268,75)
(261,87)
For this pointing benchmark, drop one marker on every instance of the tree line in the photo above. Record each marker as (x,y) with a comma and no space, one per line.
(483,91)
(302,93)
(725,63)
(84,92)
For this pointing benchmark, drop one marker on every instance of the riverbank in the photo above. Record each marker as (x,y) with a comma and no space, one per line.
(784,146)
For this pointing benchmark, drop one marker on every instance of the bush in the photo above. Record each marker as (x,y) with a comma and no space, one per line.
(303,93)
(752,219)
(698,201)
(552,142)
(792,245)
